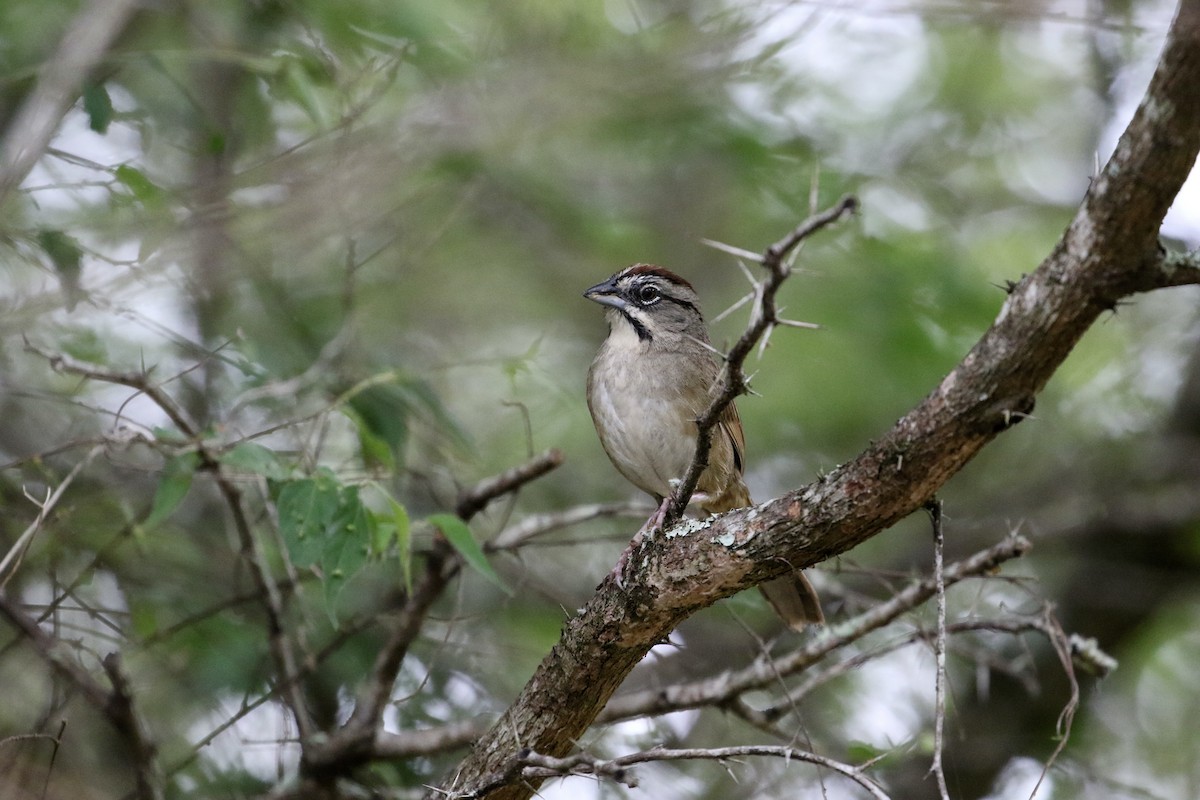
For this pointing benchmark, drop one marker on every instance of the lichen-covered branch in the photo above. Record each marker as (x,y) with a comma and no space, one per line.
(1110,251)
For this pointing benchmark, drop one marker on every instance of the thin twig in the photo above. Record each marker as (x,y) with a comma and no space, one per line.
(531,527)
(851,665)
(535,765)
(145,753)
(264,583)
(16,552)
(1062,648)
(710,691)
(934,507)
(726,688)
(118,712)
(60,362)
(763,317)
(475,499)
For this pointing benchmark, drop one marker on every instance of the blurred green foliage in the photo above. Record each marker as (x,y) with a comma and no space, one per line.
(349,238)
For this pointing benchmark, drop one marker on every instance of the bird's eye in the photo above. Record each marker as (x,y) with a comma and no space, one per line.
(648,294)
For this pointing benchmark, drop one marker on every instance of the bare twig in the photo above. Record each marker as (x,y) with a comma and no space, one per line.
(1011,626)
(60,362)
(475,499)
(726,689)
(115,705)
(1063,649)
(763,317)
(531,527)
(934,507)
(13,557)
(120,707)
(280,645)
(715,691)
(529,764)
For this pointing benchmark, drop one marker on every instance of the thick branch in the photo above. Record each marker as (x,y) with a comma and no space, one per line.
(1109,251)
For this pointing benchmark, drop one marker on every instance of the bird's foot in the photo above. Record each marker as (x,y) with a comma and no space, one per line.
(654,523)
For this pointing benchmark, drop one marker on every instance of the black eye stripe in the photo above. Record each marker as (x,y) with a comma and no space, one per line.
(635,294)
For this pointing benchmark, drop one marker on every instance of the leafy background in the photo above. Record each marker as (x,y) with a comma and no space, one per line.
(350,239)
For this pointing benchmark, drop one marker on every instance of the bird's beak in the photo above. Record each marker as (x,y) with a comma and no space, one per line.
(605,294)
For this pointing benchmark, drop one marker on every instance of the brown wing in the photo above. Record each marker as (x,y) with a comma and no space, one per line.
(730,425)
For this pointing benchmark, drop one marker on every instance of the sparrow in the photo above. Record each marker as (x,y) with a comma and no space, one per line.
(649,382)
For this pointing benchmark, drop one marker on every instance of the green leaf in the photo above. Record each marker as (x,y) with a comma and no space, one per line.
(172,487)
(382,417)
(251,457)
(66,255)
(346,547)
(306,508)
(169,436)
(459,536)
(374,449)
(142,188)
(402,534)
(98,106)
(143,619)
(84,344)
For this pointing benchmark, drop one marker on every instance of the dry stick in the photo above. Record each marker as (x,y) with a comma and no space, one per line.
(16,552)
(714,691)
(1013,627)
(732,381)
(140,381)
(535,765)
(1064,649)
(517,535)
(149,777)
(934,507)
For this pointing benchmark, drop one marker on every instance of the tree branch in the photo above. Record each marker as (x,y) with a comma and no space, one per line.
(726,688)
(763,318)
(85,42)
(729,685)
(1109,251)
(355,742)
(529,765)
(115,705)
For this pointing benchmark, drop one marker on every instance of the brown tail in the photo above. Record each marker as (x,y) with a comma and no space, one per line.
(792,596)
(794,600)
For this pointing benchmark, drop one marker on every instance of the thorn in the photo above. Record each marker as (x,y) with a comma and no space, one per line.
(795,323)
(732,250)
(746,298)
(708,347)
(746,271)
(766,338)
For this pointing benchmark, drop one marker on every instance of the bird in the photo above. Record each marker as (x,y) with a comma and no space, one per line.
(649,382)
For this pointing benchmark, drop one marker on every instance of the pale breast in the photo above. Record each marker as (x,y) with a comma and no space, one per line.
(644,422)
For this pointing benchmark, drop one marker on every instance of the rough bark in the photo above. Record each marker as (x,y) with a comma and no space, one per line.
(1109,251)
